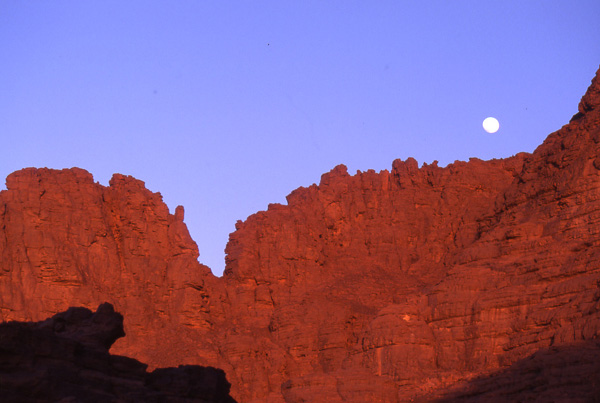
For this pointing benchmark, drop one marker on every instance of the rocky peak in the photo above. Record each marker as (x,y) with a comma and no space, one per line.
(32,176)
(591,100)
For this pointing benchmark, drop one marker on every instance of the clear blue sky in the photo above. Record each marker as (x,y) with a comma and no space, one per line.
(227,106)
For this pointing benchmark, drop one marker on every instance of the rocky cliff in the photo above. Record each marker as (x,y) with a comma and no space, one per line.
(404,284)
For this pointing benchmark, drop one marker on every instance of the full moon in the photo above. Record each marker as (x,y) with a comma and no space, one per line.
(491,125)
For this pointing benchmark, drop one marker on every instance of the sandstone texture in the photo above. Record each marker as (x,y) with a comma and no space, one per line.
(410,284)
(65,358)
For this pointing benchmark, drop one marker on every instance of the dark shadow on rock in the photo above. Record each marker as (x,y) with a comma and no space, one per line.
(568,373)
(66,358)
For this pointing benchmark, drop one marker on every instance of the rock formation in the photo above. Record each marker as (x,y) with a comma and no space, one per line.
(65,358)
(389,286)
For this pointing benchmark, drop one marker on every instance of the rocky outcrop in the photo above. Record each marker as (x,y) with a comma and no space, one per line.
(65,358)
(384,286)
(68,241)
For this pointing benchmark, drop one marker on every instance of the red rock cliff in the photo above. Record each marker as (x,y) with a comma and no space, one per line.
(373,287)
(68,241)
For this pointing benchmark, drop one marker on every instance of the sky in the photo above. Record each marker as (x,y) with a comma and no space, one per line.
(227,106)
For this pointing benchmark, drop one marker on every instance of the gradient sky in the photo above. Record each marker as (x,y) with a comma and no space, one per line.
(227,106)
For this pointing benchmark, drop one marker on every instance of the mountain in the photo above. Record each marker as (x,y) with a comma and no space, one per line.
(415,283)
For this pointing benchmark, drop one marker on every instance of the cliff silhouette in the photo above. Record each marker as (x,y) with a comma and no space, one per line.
(479,280)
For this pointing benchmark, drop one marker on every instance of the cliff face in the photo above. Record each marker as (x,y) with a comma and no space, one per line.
(67,241)
(373,287)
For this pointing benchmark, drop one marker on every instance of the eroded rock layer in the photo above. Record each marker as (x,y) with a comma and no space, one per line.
(372,287)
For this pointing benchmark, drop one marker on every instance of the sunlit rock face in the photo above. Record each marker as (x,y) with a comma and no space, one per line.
(368,287)
(67,241)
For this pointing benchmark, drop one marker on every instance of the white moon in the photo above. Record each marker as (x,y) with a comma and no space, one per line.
(491,125)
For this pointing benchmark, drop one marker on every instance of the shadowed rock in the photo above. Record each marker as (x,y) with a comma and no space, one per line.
(65,358)
(568,373)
